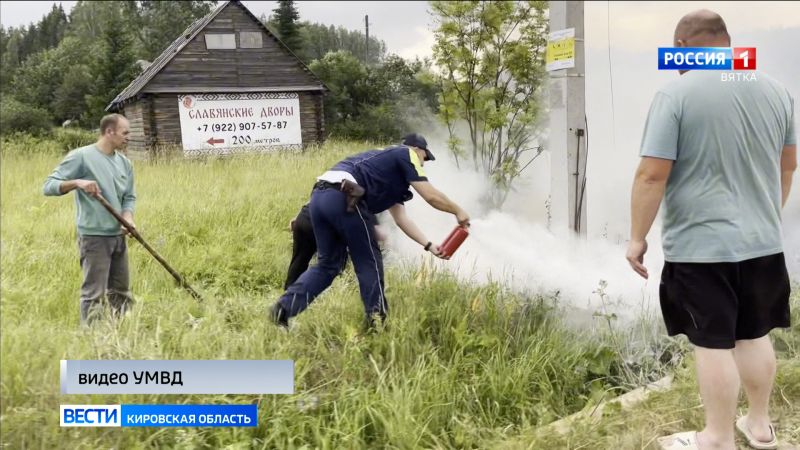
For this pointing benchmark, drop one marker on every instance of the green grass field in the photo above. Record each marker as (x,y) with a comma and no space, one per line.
(460,366)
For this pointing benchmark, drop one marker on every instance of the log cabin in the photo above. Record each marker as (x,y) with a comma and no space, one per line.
(226,85)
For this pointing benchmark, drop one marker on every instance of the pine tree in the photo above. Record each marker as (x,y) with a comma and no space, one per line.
(287,17)
(52,28)
(9,59)
(114,67)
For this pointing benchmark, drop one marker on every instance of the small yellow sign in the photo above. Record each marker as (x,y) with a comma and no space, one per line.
(560,50)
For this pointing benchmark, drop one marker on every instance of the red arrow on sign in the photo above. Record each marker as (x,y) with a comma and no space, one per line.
(213,141)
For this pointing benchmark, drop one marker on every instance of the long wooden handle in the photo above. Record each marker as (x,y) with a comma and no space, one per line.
(152,251)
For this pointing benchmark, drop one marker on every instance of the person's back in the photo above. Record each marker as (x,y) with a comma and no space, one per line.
(723,198)
(721,153)
(385,174)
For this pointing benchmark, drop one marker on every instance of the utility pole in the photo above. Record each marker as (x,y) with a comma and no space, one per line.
(366,46)
(568,134)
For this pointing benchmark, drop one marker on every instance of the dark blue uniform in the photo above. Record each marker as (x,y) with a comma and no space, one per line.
(385,175)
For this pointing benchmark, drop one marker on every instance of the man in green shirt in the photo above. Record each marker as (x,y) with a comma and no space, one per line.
(91,171)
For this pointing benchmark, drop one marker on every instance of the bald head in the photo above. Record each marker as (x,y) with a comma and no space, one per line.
(702,28)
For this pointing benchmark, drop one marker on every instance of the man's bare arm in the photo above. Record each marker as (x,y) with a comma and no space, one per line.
(648,190)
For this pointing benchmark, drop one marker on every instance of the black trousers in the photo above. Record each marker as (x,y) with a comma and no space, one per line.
(304,246)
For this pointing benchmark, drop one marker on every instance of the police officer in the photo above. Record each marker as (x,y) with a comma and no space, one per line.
(341,202)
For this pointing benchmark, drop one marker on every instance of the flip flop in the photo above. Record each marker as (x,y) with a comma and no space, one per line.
(686,440)
(753,442)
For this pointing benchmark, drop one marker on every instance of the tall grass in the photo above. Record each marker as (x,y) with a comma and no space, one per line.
(459,366)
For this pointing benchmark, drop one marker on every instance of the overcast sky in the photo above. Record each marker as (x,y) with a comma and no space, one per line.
(406,26)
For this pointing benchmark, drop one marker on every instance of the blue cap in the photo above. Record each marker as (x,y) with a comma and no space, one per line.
(416,140)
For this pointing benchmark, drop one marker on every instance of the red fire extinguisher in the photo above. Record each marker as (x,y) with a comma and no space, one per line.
(451,244)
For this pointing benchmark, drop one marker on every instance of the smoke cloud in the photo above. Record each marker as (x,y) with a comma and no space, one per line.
(514,246)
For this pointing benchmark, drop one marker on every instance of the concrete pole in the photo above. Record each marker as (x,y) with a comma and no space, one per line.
(567,139)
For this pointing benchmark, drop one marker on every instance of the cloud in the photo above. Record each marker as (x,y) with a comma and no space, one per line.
(420,44)
(637,26)
(16,13)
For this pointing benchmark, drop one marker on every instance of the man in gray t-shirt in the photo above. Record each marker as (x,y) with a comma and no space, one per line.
(721,154)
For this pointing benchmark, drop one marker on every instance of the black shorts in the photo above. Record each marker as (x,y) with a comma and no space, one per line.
(716,304)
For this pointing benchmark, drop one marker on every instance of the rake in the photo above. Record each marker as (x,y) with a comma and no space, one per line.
(181,281)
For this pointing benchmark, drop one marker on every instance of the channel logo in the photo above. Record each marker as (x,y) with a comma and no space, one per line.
(91,416)
(706,58)
(159,415)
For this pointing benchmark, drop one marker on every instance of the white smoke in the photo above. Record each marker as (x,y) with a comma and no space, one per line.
(513,245)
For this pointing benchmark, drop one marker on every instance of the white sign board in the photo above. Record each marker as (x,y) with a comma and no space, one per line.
(560,52)
(234,123)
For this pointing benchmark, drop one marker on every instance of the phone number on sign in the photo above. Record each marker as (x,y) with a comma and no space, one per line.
(243,126)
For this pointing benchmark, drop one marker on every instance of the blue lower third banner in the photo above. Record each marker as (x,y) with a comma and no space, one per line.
(159,415)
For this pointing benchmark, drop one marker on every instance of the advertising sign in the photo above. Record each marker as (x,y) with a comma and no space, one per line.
(233,123)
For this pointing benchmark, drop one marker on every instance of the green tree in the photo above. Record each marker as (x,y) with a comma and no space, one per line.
(16,116)
(411,80)
(491,55)
(321,39)
(4,35)
(287,27)
(156,24)
(51,29)
(374,102)
(69,99)
(49,80)
(34,80)
(9,60)
(346,78)
(87,18)
(29,42)
(18,44)
(114,67)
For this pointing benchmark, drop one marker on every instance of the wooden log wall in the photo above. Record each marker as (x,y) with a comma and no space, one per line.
(269,66)
(137,141)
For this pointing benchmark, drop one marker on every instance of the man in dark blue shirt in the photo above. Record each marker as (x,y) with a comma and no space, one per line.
(367,183)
